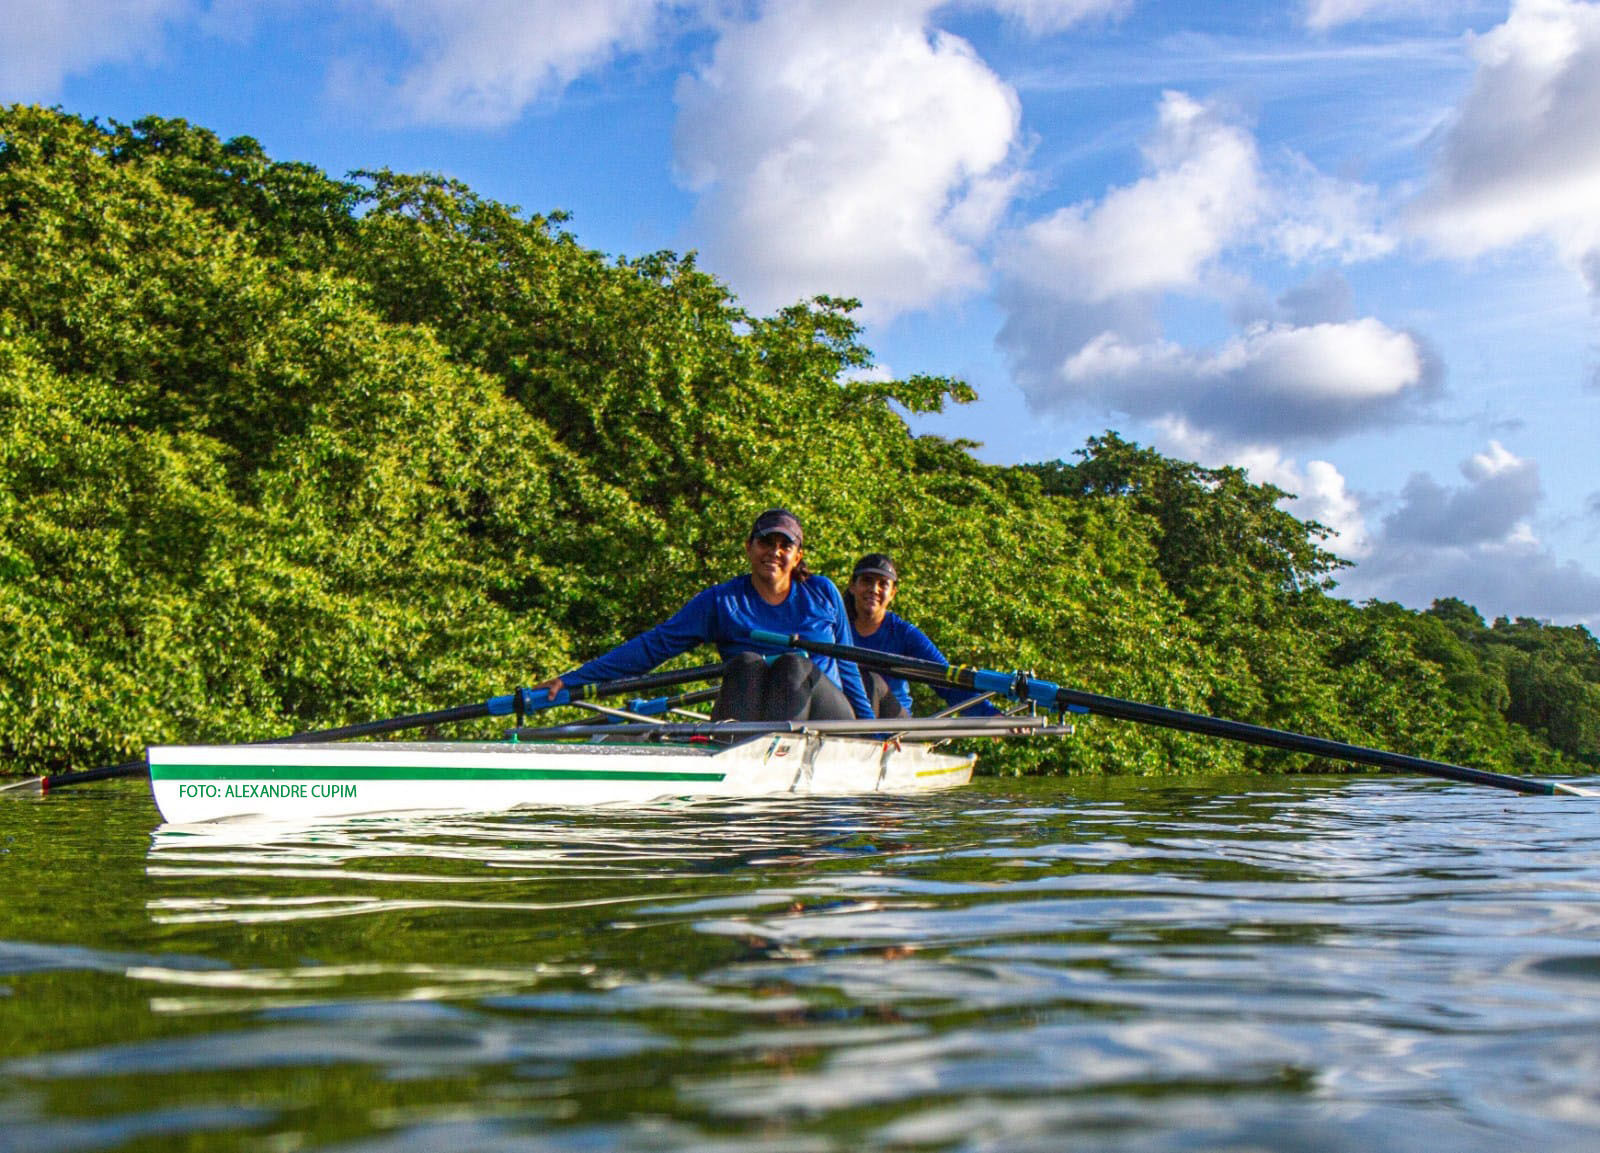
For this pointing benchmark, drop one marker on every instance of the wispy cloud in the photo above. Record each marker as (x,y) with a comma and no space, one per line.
(1084,289)
(1272,63)
(1321,217)
(1321,15)
(42,42)
(483,64)
(1042,17)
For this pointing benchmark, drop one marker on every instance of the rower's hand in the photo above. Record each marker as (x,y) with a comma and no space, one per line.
(551,687)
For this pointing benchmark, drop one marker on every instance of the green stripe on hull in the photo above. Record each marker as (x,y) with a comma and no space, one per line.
(160,772)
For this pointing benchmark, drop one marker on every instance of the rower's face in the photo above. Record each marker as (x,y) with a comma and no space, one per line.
(872,593)
(772,555)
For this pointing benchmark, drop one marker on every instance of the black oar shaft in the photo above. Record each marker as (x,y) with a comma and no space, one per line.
(495,706)
(1293,742)
(83,776)
(389,725)
(632,685)
(140,768)
(1021,687)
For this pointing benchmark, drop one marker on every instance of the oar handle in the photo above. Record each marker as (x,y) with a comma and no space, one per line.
(658,706)
(1019,686)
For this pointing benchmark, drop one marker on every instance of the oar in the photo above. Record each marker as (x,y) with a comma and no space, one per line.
(1019,686)
(495,706)
(935,729)
(521,701)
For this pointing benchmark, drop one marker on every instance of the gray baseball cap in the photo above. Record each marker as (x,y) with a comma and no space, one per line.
(778,520)
(876,564)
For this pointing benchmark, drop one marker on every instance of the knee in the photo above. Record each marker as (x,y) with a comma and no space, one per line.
(792,668)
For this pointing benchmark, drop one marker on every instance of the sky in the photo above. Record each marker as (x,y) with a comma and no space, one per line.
(1350,245)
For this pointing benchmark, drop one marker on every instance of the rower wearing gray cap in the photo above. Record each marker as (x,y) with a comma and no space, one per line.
(872,588)
(778,595)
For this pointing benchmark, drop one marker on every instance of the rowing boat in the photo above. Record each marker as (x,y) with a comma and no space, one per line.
(630,758)
(194,783)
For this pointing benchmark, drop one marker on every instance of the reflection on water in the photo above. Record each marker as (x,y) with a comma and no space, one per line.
(1260,964)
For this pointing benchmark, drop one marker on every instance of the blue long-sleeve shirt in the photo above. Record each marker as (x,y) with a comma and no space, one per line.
(724,615)
(898,637)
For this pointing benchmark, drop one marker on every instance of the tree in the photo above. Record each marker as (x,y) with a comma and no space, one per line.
(280,451)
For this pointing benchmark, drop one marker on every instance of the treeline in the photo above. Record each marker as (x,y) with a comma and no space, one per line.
(279,451)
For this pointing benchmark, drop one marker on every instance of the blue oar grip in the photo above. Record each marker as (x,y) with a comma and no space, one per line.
(998,683)
(532,701)
(761,636)
(1043,692)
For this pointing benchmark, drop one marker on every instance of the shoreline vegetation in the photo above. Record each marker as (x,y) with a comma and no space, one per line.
(280,450)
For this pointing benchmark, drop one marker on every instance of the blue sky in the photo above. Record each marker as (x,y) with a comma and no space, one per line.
(1352,245)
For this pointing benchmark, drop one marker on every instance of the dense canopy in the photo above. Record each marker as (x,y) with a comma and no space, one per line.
(279,450)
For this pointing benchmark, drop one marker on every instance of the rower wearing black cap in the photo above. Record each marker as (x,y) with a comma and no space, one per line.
(778,595)
(873,584)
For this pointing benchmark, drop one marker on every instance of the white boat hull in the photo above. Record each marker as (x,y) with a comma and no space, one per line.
(296,782)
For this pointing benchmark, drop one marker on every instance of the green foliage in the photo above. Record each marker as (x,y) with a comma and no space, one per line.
(1543,678)
(279,451)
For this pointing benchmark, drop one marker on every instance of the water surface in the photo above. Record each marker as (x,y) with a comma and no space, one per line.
(1242,964)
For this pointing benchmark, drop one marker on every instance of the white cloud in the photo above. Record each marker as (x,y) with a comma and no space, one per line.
(482,64)
(1084,290)
(1204,189)
(1475,541)
(1273,382)
(1323,495)
(1520,158)
(846,148)
(1206,192)
(1321,14)
(42,42)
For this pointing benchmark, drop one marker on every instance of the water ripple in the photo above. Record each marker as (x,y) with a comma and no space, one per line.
(1364,964)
